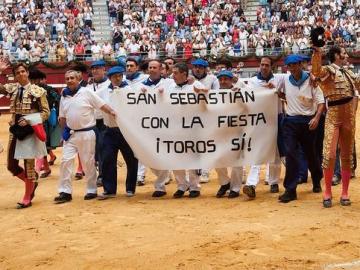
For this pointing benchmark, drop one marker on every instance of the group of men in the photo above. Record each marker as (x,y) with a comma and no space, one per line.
(90,128)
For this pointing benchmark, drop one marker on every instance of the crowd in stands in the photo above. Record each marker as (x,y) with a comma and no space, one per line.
(62,30)
(53,30)
(201,28)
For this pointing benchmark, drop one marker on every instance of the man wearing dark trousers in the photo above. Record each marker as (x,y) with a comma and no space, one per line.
(305,105)
(113,141)
(100,81)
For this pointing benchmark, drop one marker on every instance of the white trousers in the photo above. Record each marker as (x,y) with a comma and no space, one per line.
(244,46)
(272,173)
(82,143)
(183,181)
(141,169)
(235,178)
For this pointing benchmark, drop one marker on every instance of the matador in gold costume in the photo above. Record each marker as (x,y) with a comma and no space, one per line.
(26,101)
(340,87)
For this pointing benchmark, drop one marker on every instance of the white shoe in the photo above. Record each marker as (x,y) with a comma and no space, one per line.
(130,194)
(106,196)
(204,178)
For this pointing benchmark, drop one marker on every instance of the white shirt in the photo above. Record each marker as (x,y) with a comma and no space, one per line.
(277,81)
(170,48)
(294,94)
(79,110)
(174,87)
(134,47)
(97,87)
(142,77)
(95,49)
(106,95)
(107,48)
(210,82)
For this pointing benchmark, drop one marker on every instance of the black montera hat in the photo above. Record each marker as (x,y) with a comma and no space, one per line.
(36,74)
(318,36)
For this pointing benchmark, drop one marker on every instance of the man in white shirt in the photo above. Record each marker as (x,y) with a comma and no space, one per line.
(232,183)
(243,36)
(133,47)
(199,71)
(305,104)
(113,141)
(107,49)
(134,78)
(77,117)
(265,78)
(95,51)
(22,53)
(156,82)
(100,81)
(180,83)
(170,48)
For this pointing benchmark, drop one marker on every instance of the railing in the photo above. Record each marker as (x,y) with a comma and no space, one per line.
(13,57)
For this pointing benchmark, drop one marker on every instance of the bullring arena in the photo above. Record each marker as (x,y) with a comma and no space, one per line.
(147,233)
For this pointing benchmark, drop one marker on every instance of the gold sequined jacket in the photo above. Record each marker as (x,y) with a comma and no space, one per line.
(33,100)
(335,82)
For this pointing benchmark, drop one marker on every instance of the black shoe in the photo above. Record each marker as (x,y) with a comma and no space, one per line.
(249,191)
(194,194)
(288,196)
(63,198)
(345,202)
(22,205)
(274,188)
(327,203)
(79,175)
(222,190)
(301,181)
(90,196)
(99,181)
(316,189)
(140,183)
(233,194)
(353,175)
(178,194)
(335,180)
(158,193)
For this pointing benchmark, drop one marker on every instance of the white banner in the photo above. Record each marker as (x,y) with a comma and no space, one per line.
(188,130)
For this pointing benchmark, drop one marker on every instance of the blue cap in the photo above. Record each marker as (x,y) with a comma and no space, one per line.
(305,58)
(293,59)
(225,73)
(200,62)
(99,63)
(115,70)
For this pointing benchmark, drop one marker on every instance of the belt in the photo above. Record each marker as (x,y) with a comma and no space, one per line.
(339,101)
(67,132)
(298,119)
(84,129)
(110,127)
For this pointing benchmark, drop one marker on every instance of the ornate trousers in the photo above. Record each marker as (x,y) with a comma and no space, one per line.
(339,128)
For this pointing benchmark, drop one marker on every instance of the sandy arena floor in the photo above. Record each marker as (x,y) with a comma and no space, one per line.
(146,233)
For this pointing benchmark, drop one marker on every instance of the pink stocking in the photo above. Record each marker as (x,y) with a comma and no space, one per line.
(39,164)
(345,179)
(328,174)
(29,189)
